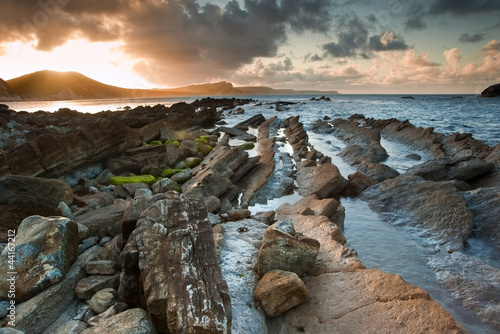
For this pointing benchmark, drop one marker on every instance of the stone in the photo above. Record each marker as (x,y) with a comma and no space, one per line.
(65,210)
(45,249)
(358,182)
(238,134)
(83,232)
(132,321)
(182,176)
(323,181)
(238,214)
(279,291)
(98,221)
(164,185)
(133,187)
(104,240)
(491,91)
(88,286)
(451,169)
(110,312)
(104,176)
(171,254)
(102,300)
(100,267)
(484,204)
(3,308)
(379,172)
(143,192)
(23,196)
(41,311)
(286,251)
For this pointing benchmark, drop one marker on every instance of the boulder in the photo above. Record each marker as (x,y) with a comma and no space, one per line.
(41,311)
(98,221)
(284,249)
(88,286)
(23,196)
(102,300)
(379,172)
(358,182)
(484,204)
(171,255)
(132,321)
(238,134)
(45,248)
(491,91)
(100,267)
(323,181)
(279,291)
(451,169)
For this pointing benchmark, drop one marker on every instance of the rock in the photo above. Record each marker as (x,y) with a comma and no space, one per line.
(89,242)
(83,232)
(94,201)
(132,321)
(365,301)
(10,330)
(102,300)
(88,286)
(100,267)
(98,221)
(239,272)
(358,182)
(23,196)
(413,201)
(110,312)
(491,91)
(378,172)
(279,291)
(182,176)
(143,192)
(484,204)
(39,313)
(65,210)
(165,185)
(104,240)
(45,249)
(451,169)
(133,187)
(192,162)
(473,283)
(3,308)
(104,176)
(172,255)
(238,214)
(286,250)
(323,181)
(238,134)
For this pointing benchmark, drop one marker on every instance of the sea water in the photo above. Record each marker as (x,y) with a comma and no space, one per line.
(391,248)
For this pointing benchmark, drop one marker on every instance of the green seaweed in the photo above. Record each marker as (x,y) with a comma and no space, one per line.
(155,142)
(192,162)
(248,146)
(203,148)
(202,139)
(119,180)
(170,171)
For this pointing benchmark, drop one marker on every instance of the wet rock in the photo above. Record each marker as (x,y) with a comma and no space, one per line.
(484,204)
(473,282)
(238,134)
(435,206)
(45,250)
(358,182)
(451,169)
(379,172)
(323,181)
(239,272)
(132,321)
(22,196)
(88,286)
(279,291)
(286,250)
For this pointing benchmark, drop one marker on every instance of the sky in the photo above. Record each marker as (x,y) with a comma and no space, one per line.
(352,46)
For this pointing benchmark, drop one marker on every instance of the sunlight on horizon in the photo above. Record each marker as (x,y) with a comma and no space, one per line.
(101,61)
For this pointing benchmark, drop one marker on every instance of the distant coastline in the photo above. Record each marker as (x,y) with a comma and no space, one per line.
(58,86)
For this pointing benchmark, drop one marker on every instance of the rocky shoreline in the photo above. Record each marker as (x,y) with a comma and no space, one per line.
(138,222)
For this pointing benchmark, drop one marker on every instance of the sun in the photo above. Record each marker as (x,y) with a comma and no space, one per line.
(101,61)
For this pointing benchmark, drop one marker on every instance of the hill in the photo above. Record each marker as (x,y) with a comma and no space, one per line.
(7,93)
(52,85)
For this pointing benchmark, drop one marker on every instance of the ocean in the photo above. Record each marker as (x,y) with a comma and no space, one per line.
(379,244)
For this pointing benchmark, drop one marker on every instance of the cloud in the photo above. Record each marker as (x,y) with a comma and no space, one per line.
(353,40)
(492,47)
(466,38)
(174,42)
(463,7)
(415,20)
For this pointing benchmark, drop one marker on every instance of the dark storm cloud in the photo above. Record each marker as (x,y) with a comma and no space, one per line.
(171,38)
(463,7)
(354,40)
(466,38)
(415,19)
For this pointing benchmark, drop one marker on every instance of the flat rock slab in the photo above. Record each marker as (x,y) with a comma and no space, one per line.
(365,301)
(323,181)
(239,134)
(133,321)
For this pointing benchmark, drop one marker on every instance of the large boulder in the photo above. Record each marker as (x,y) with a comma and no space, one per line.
(23,196)
(170,260)
(98,221)
(323,181)
(452,169)
(45,248)
(284,249)
(278,291)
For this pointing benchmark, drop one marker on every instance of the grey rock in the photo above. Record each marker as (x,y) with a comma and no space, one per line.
(100,267)
(132,321)
(102,300)
(88,286)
